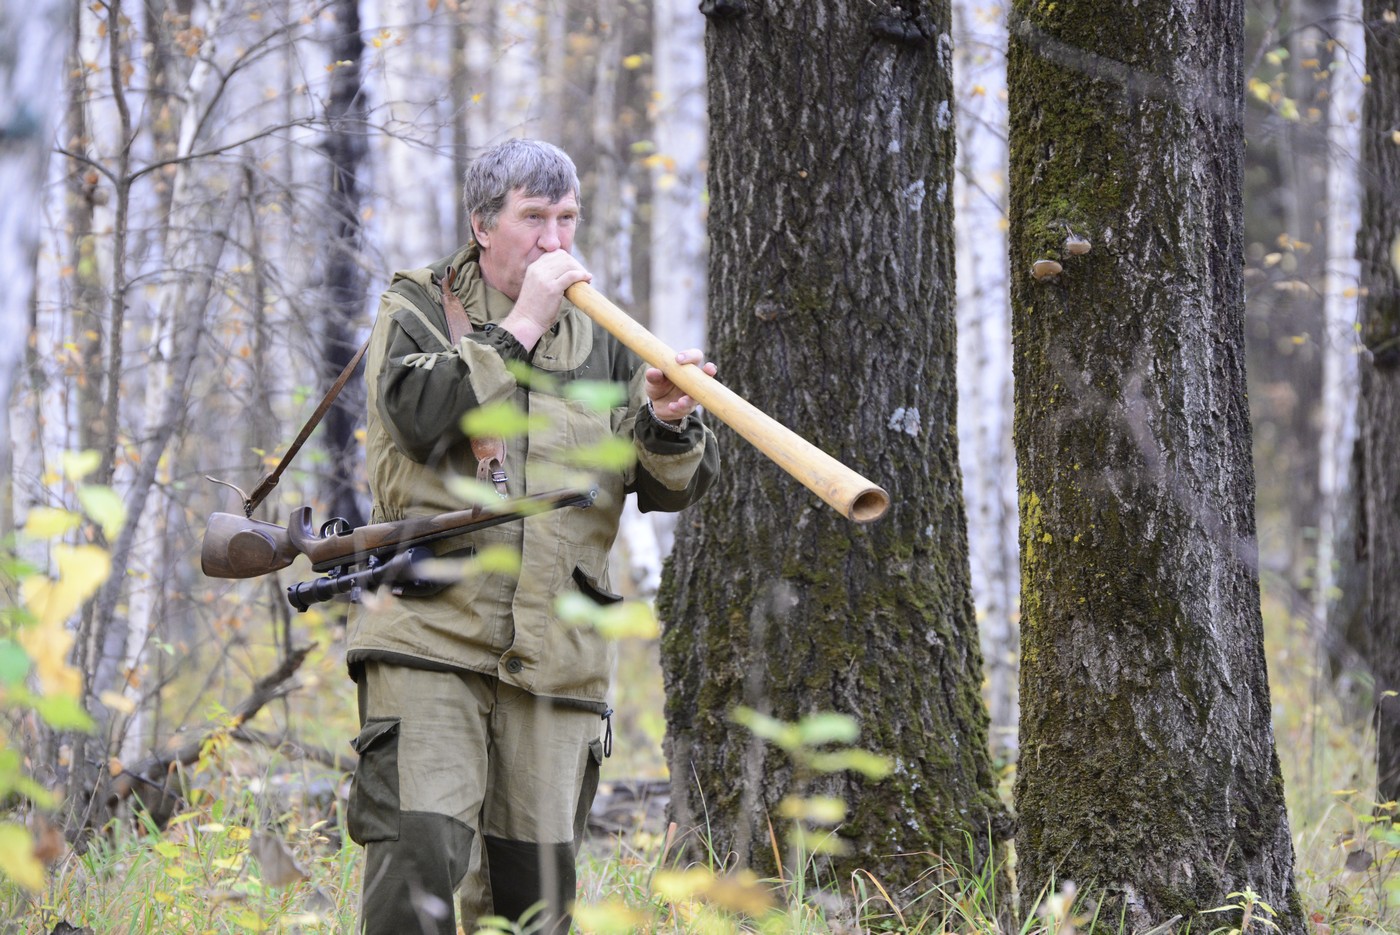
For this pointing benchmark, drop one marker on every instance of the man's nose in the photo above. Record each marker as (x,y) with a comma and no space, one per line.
(549,237)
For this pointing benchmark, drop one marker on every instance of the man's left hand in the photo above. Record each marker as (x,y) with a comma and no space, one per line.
(667,400)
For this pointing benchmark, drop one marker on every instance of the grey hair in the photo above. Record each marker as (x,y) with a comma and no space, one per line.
(541,169)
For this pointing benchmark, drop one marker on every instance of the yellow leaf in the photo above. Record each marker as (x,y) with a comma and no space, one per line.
(632,62)
(117,702)
(17,860)
(612,917)
(46,522)
(81,571)
(79,464)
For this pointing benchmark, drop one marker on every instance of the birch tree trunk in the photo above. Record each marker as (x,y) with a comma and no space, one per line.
(678,245)
(30,82)
(184,204)
(987,457)
(831,302)
(1379,432)
(1340,589)
(1148,770)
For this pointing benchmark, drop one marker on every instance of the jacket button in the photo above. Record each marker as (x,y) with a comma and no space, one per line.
(514,665)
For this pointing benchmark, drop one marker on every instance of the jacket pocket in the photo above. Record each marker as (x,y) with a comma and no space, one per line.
(373,813)
(592,590)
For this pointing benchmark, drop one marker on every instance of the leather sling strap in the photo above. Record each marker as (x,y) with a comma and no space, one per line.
(269,481)
(490,453)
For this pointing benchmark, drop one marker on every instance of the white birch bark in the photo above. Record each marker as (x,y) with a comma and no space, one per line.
(678,245)
(1341,343)
(984,350)
(30,84)
(678,253)
(185,243)
(516,72)
(415,215)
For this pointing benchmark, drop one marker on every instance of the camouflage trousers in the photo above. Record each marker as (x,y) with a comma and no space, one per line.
(471,787)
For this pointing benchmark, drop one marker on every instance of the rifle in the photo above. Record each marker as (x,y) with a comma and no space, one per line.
(239,547)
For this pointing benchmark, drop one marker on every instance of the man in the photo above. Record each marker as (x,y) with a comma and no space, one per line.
(480,709)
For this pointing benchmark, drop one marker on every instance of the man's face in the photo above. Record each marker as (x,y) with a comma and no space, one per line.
(527,228)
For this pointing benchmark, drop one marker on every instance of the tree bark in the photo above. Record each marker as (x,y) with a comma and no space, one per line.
(1340,586)
(1379,434)
(1148,774)
(30,82)
(831,302)
(345,283)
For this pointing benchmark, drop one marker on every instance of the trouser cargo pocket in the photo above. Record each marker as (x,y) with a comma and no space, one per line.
(588,790)
(373,813)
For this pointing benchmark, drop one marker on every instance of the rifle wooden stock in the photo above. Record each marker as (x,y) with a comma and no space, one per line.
(843,489)
(236,547)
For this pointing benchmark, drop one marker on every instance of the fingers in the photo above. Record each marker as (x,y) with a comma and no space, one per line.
(694,356)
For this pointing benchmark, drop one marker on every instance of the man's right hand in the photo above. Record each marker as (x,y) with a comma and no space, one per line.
(542,294)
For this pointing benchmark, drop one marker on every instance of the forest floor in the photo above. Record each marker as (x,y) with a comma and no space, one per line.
(260,848)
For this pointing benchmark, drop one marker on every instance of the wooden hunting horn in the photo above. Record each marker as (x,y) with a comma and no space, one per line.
(847,492)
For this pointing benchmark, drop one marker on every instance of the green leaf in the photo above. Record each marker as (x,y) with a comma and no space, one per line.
(14,663)
(599,395)
(870,765)
(827,727)
(30,789)
(821,809)
(497,560)
(105,508)
(623,620)
(63,713)
(529,377)
(817,842)
(767,728)
(473,492)
(500,420)
(610,454)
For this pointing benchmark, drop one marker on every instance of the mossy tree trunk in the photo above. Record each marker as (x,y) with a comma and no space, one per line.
(1148,774)
(831,293)
(1378,438)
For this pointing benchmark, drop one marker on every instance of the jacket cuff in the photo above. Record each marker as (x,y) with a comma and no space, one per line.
(503,342)
(486,354)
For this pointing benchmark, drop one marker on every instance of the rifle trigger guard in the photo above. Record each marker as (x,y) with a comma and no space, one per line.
(336,526)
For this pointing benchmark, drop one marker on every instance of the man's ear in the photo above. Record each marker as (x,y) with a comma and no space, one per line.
(479,234)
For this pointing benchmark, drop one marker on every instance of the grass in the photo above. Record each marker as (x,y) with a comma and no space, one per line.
(247,856)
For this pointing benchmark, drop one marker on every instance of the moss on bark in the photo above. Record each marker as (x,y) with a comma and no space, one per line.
(1147,772)
(831,309)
